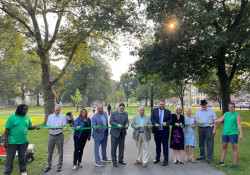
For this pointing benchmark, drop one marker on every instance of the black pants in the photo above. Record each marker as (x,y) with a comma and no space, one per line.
(11,152)
(114,143)
(161,137)
(79,144)
(206,137)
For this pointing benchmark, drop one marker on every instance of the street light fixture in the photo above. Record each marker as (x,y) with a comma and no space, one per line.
(152,95)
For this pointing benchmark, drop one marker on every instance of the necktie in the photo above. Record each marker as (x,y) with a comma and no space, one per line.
(160,122)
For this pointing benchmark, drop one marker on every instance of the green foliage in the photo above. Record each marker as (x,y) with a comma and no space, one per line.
(77,98)
(121,96)
(128,83)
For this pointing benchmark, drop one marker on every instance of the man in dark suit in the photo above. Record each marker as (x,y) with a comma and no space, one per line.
(100,135)
(118,118)
(159,117)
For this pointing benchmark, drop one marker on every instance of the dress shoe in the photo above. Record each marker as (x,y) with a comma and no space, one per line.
(59,169)
(46,169)
(180,162)
(122,162)
(144,165)
(156,161)
(200,158)
(115,165)
(136,162)
(164,163)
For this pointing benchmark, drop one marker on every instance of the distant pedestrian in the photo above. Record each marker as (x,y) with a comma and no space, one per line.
(109,109)
(94,108)
(118,118)
(161,116)
(100,135)
(177,135)
(70,119)
(206,131)
(80,137)
(142,136)
(16,138)
(189,135)
(231,132)
(56,137)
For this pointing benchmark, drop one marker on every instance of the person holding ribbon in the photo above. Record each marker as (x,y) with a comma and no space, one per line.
(56,137)
(159,117)
(177,135)
(118,119)
(206,131)
(189,135)
(100,135)
(81,135)
(231,132)
(141,124)
(16,138)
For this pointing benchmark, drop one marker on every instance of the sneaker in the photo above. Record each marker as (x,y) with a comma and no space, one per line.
(24,173)
(220,163)
(233,166)
(99,165)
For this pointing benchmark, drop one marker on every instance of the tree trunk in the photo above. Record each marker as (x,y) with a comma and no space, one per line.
(225,92)
(37,99)
(48,91)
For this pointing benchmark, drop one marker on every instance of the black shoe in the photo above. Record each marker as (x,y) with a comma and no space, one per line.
(180,162)
(200,158)
(59,169)
(115,165)
(164,163)
(122,162)
(209,161)
(220,163)
(46,169)
(156,161)
(233,166)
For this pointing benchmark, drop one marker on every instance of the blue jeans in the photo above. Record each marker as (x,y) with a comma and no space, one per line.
(103,143)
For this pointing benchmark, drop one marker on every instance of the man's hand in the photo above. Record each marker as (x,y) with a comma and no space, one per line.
(119,125)
(157,125)
(240,136)
(6,145)
(164,123)
(78,126)
(214,132)
(98,129)
(146,127)
(139,126)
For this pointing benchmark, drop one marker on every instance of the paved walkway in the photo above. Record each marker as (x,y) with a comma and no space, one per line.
(129,157)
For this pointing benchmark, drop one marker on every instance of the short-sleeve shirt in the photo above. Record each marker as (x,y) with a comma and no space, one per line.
(54,120)
(18,126)
(205,116)
(230,124)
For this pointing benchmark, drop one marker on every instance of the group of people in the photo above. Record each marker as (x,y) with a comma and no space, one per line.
(183,135)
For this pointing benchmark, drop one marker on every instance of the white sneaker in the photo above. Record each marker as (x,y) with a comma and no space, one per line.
(24,173)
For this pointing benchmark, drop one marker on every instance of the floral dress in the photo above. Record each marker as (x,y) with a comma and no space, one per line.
(189,133)
(177,135)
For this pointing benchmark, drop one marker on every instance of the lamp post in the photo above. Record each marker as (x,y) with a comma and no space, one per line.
(152,95)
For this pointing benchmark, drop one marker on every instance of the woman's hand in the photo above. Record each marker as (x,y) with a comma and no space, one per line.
(78,126)
(240,136)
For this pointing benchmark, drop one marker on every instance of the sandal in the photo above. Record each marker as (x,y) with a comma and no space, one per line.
(74,168)
(193,160)
(186,159)
(80,165)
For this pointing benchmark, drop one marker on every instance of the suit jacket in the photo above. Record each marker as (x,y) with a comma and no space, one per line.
(116,119)
(136,122)
(166,118)
(96,120)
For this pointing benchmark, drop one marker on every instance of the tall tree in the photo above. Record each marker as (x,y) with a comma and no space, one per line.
(73,23)
(215,36)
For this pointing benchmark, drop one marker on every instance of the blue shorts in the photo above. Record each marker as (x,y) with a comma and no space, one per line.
(233,139)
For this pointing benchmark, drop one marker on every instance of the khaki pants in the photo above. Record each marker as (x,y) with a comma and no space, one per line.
(142,148)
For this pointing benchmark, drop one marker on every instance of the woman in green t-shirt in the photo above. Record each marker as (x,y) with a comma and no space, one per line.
(231,132)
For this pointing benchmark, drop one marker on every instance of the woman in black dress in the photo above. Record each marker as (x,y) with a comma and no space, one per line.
(177,135)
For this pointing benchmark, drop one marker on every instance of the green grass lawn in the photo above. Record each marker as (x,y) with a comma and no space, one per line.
(37,137)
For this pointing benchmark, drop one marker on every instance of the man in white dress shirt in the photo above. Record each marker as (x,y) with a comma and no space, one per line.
(56,137)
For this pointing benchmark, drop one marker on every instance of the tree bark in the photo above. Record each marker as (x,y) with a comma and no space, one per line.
(225,91)
(37,99)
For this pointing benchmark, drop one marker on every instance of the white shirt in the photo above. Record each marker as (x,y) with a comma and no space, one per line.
(205,116)
(54,120)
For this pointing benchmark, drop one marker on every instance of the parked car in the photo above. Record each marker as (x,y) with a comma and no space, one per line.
(243,105)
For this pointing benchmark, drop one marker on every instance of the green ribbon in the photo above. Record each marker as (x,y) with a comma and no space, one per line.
(82,128)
